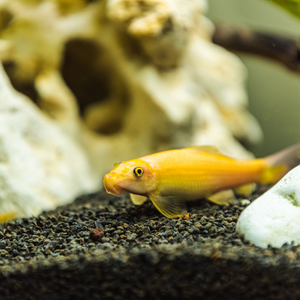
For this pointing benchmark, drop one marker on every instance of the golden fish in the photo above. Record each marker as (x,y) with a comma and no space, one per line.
(171,178)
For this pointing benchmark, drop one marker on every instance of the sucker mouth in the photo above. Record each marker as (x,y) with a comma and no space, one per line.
(110,186)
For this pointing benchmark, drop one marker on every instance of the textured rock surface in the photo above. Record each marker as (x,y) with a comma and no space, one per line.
(273,219)
(40,166)
(124,78)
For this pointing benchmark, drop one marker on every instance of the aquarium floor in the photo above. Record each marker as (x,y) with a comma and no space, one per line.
(142,255)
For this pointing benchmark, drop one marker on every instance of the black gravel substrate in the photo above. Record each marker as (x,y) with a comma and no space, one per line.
(142,255)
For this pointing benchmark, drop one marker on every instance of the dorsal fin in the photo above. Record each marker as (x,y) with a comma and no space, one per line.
(208,149)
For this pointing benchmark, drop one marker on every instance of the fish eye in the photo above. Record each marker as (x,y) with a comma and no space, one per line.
(138,171)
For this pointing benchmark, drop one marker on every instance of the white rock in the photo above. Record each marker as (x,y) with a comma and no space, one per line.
(244,202)
(157,59)
(274,218)
(114,80)
(40,166)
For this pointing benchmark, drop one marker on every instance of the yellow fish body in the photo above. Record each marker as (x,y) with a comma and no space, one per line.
(171,178)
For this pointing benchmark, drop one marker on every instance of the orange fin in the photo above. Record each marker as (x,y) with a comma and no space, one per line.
(273,174)
(7,216)
(223,198)
(278,164)
(137,199)
(207,149)
(171,207)
(246,189)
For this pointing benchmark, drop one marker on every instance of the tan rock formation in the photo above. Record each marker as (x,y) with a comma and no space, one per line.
(124,78)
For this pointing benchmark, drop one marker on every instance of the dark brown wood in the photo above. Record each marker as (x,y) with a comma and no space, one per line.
(279,48)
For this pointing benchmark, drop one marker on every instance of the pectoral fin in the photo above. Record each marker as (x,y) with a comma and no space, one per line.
(223,197)
(246,189)
(137,199)
(170,207)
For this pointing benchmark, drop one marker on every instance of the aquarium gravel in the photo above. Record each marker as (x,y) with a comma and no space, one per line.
(104,247)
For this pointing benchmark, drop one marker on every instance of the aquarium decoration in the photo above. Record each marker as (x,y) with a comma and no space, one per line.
(273,218)
(110,80)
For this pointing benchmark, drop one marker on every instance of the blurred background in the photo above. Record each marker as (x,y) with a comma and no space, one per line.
(273,90)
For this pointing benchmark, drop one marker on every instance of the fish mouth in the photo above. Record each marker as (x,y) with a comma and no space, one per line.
(110,186)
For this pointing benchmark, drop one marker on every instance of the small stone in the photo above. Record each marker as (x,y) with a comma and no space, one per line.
(96,234)
(167,233)
(158,225)
(181,227)
(3,252)
(78,226)
(51,245)
(104,246)
(244,202)
(2,244)
(98,223)
(131,237)
(185,234)
(194,230)
(197,224)
(163,241)
(84,233)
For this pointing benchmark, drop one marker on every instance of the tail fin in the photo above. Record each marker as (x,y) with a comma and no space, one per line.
(280,163)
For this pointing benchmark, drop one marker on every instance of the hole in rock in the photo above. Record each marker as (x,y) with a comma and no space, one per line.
(5,17)
(92,75)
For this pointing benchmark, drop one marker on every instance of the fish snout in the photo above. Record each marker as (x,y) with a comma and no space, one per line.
(110,185)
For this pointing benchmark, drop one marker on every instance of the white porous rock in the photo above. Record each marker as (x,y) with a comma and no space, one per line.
(40,166)
(155,80)
(274,218)
(117,79)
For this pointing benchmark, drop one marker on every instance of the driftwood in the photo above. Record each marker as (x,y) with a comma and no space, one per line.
(284,50)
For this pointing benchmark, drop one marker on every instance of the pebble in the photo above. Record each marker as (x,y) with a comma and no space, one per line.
(244,202)
(97,233)
(2,244)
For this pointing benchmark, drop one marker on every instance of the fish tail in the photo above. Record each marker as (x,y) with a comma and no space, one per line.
(278,164)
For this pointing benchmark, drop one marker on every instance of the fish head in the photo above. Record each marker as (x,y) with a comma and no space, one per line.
(134,176)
